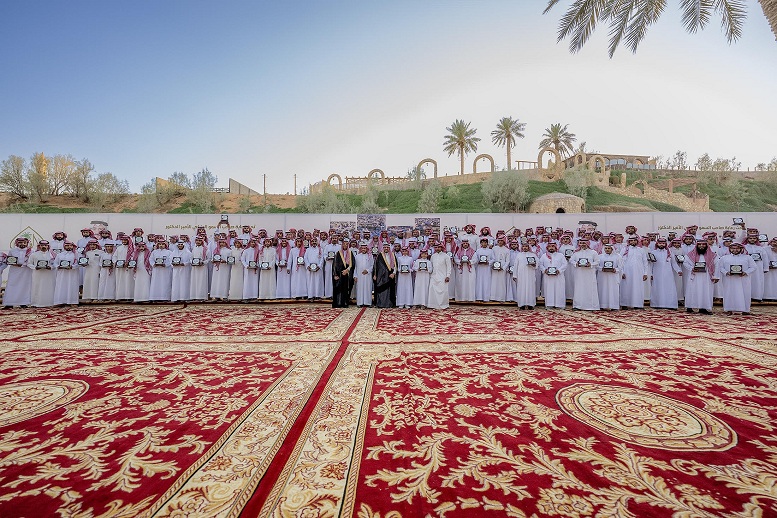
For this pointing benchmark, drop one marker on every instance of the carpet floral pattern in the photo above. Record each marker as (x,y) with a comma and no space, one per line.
(303,410)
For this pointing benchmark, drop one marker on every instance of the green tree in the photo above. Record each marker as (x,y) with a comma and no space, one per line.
(417,175)
(37,176)
(629,21)
(370,199)
(559,138)
(578,179)
(460,139)
(325,202)
(679,161)
(148,201)
(13,177)
(106,189)
(200,193)
(430,197)
(79,180)
(506,191)
(61,170)
(507,129)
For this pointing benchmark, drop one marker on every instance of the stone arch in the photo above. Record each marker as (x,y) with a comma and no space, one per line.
(483,155)
(641,185)
(429,161)
(339,180)
(553,173)
(560,210)
(372,175)
(602,176)
(579,159)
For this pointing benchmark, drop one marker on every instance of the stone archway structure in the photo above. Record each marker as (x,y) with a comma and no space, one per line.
(579,159)
(554,173)
(602,177)
(339,180)
(483,155)
(429,161)
(642,183)
(375,173)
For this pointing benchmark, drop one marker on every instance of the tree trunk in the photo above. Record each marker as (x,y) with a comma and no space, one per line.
(509,161)
(770,11)
(461,154)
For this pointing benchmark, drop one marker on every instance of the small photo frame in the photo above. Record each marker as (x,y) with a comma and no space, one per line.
(217,258)
(651,257)
(300,260)
(699,266)
(772,265)
(230,260)
(403,268)
(252,265)
(483,259)
(450,254)
(762,238)
(330,256)
(306,243)
(42,264)
(374,250)
(107,263)
(83,261)
(196,261)
(159,261)
(497,265)
(680,258)
(531,261)
(552,270)
(313,267)
(548,230)
(132,263)
(282,263)
(423,266)
(608,266)
(65,264)
(121,263)
(739,221)
(138,239)
(735,269)
(265,265)
(177,260)
(756,256)
(568,253)
(11,259)
(464,259)
(510,269)
(583,262)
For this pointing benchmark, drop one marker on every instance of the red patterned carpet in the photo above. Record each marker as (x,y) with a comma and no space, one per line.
(302,410)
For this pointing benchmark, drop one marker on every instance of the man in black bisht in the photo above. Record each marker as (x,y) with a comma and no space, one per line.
(342,276)
(383,275)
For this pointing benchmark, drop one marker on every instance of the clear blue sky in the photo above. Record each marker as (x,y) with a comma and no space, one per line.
(146,88)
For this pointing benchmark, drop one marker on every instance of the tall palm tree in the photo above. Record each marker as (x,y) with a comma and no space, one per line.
(460,139)
(630,20)
(504,135)
(559,138)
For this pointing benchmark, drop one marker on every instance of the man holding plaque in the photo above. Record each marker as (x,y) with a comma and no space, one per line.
(201,256)
(439,296)
(584,263)
(40,293)
(342,267)
(267,278)
(181,261)
(484,258)
(161,274)
(499,270)
(106,289)
(90,265)
(553,265)
(423,269)
(635,273)
(68,276)
(663,272)
(699,270)
(770,282)
(759,254)
(524,265)
(735,271)
(608,279)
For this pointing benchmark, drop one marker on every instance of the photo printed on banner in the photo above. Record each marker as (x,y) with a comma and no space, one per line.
(423,223)
(373,223)
(342,226)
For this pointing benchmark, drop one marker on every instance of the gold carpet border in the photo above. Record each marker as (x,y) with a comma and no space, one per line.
(335,432)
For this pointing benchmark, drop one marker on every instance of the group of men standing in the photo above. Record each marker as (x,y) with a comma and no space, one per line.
(594,270)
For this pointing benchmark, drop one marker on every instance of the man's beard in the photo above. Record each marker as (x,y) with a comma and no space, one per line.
(701,250)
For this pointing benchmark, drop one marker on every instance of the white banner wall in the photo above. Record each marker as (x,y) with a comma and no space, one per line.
(42,226)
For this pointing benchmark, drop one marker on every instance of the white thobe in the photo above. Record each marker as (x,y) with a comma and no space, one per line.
(198,286)
(466,279)
(405,281)
(125,278)
(106,289)
(236,276)
(362,274)
(698,286)
(91,275)
(182,275)
(635,267)
(334,248)
(608,283)
(315,278)
(438,288)
(525,290)
(141,286)
(267,278)
(299,279)
(161,276)
(421,286)
(663,290)
(483,273)
(251,275)
(554,286)
(735,289)
(770,281)
(219,282)
(499,277)
(283,276)
(18,288)
(569,279)
(43,280)
(68,279)
(761,267)
(586,294)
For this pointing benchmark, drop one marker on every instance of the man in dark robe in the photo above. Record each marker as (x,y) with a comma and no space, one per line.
(384,278)
(342,276)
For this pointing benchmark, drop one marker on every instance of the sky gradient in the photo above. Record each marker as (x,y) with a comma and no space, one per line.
(147,88)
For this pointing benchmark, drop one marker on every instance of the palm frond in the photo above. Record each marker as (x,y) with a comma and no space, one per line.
(733,14)
(696,14)
(580,21)
(619,12)
(550,5)
(647,15)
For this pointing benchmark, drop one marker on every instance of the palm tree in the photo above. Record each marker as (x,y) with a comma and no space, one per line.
(629,21)
(559,138)
(504,135)
(460,139)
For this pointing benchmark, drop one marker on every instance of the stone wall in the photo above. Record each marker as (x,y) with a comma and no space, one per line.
(557,202)
(700,204)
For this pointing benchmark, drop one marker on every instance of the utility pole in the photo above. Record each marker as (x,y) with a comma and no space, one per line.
(295,184)
(265,188)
